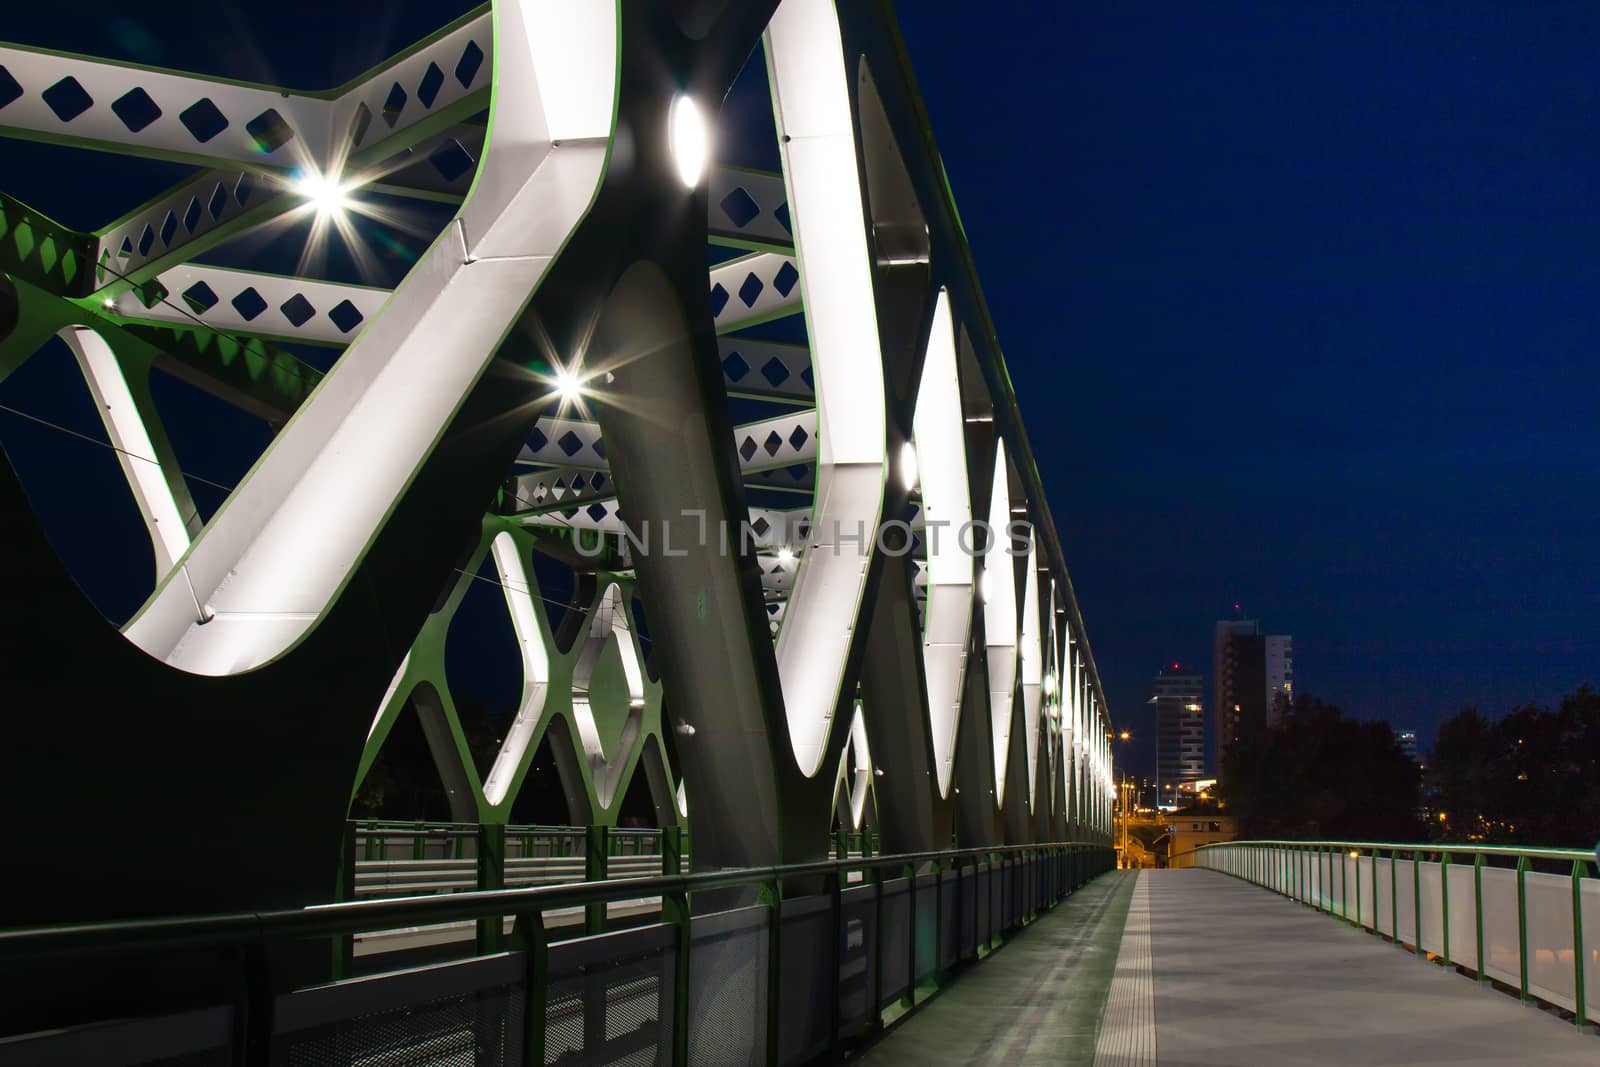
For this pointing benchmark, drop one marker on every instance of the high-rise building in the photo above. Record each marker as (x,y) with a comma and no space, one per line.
(1408,744)
(1251,671)
(1180,726)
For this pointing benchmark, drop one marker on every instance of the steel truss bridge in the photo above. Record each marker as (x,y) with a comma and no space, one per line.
(693,322)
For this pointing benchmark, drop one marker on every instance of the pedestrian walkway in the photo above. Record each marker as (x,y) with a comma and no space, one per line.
(1192,967)
(1243,976)
(1036,1001)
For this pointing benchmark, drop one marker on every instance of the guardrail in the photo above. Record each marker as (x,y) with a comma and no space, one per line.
(1498,914)
(779,981)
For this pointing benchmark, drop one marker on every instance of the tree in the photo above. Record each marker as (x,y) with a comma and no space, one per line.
(1531,778)
(1318,775)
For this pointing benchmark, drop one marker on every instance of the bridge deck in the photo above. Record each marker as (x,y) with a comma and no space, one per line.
(1036,1001)
(1215,971)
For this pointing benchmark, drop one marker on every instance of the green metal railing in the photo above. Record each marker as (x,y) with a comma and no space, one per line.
(1556,960)
(1049,872)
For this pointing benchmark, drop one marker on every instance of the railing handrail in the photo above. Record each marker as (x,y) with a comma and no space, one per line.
(230,930)
(1529,852)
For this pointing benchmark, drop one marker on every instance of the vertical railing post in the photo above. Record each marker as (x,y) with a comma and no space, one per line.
(1416,902)
(491,875)
(1522,930)
(835,949)
(773,892)
(1477,908)
(1394,894)
(596,850)
(1581,1010)
(1444,907)
(345,889)
(675,910)
(530,932)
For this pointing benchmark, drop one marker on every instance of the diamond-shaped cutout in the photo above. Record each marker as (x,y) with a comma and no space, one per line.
(248,304)
(598,448)
(67,99)
(569,443)
(761,526)
(772,443)
(125,250)
(269,131)
(203,120)
(467,66)
(135,109)
(798,473)
(47,253)
(243,188)
(428,88)
(740,207)
(147,240)
(169,226)
(217,202)
(191,214)
(9,89)
(784,281)
(393,104)
(298,310)
(150,293)
(345,316)
(748,449)
(69,266)
(597,481)
(200,298)
(360,123)
(537,440)
(596,511)
(805,376)
(751,290)
(719,299)
(775,372)
(735,367)
(799,437)
(451,160)
(781,213)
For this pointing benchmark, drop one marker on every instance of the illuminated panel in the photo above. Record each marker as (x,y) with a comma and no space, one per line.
(811,102)
(1032,653)
(946,501)
(135,452)
(277,553)
(519,596)
(610,625)
(999,590)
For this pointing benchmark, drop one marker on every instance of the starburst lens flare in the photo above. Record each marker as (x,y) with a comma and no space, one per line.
(689,140)
(327,195)
(568,386)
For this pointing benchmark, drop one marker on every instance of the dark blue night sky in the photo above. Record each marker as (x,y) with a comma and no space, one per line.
(1301,302)
(1302,306)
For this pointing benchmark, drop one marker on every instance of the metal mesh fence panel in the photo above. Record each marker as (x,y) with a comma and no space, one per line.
(983,920)
(728,987)
(805,998)
(927,927)
(969,909)
(896,935)
(609,999)
(199,1038)
(466,1014)
(997,899)
(858,952)
(949,918)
